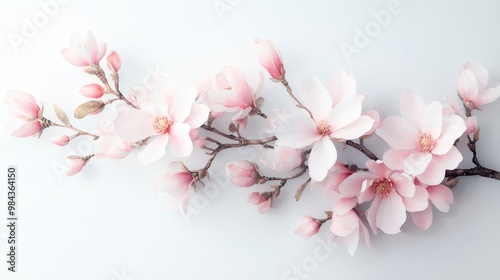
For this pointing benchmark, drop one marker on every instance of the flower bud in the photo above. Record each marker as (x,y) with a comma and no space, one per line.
(270,58)
(75,164)
(242,173)
(307,227)
(114,61)
(62,140)
(263,200)
(92,91)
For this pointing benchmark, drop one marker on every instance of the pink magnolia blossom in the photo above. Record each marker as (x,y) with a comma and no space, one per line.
(263,200)
(26,113)
(347,229)
(307,227)
(231,93)
(281,158)
(242,173)
(472,86)
(114,61)
(75,164)
(166,116)
(328,123)
(386,189)
(85,50)
(270,58)
(62,140)
(441,197)
(92,91)
(176,184)
(471,125)
(422,140)
(109,144)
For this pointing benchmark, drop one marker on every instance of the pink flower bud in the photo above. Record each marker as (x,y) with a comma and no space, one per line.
(92,91)
(471,125)
(270,58)
(75,164)
(242,173)
(307,227)
(114,61)
(263,201)
(62,140)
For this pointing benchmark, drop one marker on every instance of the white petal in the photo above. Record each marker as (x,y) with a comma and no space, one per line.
(355,129)
(181,144)
(181,106)
(411,106)
(316,98)
(134,125)
(432,119)
(342,85)
(346,112)
(298,132)
(399,133)
(322,158)
(391,214)
(417,163)
(453,128)
(199,114)
(154,150)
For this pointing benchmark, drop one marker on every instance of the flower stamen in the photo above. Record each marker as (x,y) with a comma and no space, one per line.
(324,128)
(425,143)
(162,124)
(382,186)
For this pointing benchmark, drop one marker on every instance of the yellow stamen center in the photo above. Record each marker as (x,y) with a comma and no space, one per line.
(324,128)
(425,143)
(382,186)
(162,124)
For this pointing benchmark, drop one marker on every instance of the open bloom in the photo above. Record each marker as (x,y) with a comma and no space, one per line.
(441,197)
(386,189)
(339,123)
(242,173)
(307,227)
(166,117)
(25,112)
(472,83)
(336,175)
(422,140)
(110,145)
(176,184)
(85,50)
(270,58)
(231,93)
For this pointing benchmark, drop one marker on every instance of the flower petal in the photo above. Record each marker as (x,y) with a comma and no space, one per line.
(297,132)
(391,214)
(403,184)
(419,202)
(416,163)
(323,156)
(27,129)
(181,144)
(441,196)
(453,128)
(487,96)
(316,98)
(433,175)
(432,119)
(342,85)
(346,112)
(479,71)
(181,106)
(468,86)
(198,115)
(355,129)
(134,125)
(398,133)
(422,219)
(154,150)
(345,204)
(412,106)
(77,56)
(394,159)
(351,186)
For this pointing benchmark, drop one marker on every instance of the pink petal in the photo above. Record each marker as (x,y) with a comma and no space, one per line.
(343,205)
(198,115)
(441,196)
(432,119)
(323,156)
(355,129)
(417,162)
(412,106)
(89,43)
(471,125)
(346,112)
(391,214)
(154,150)
(468,87)
(479,71)
(22,105)
(403,184)
(419,202)
(487,96)
(342,85)
(134,125)
(300,125)
(399,133)
(433,175)
(394,159)
(371,213)
(343,225)
(422,219)
(27,129)
(450,160)
(377,167)
(182,103)
(316,98)
(181,144)
(77,56)
(453,128)
(351,186)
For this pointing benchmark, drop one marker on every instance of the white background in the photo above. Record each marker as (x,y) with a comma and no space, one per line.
(106,223)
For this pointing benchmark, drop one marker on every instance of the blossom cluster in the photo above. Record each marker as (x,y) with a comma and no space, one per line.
(414,175)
